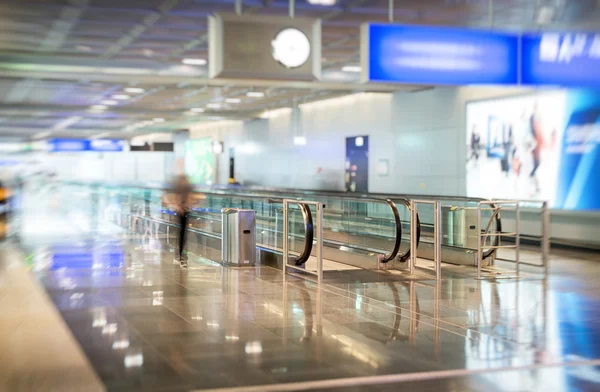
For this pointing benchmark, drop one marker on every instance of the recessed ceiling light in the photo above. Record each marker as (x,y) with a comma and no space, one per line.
(233,100)
(351,68)
(134,90)
(321,2)
(109,102)
(121,97)
(42,135)
(299,140)
(158,120)
(255,94)
(197,110)
(545,15)
(213,105)
(66,123)
(194,61)
(98,108)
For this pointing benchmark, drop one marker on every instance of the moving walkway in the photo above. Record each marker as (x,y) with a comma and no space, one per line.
(359,231)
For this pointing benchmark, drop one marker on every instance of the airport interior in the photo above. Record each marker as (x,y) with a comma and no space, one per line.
(299,195)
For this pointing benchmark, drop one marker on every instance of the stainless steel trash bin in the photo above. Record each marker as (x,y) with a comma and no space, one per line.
(238,244)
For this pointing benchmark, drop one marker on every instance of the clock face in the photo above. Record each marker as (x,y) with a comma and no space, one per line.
(291,48)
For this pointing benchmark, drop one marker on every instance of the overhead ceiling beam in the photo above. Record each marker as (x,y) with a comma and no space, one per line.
(137,30)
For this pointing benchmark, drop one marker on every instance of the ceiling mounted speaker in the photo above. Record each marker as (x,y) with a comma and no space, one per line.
(264,47)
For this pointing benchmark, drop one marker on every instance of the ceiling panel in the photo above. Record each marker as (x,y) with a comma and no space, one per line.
(112,38)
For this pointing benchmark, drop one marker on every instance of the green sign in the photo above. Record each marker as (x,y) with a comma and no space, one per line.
(200,161)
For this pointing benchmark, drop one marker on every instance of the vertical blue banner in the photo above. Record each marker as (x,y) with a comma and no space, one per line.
(433,55)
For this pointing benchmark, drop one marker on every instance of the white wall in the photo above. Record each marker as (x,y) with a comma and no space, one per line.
(422,135)
(118,166)
(430,142)
(266,155)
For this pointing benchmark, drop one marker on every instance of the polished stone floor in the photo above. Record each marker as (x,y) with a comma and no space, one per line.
(147,324)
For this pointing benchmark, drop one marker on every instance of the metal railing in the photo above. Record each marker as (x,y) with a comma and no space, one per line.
(437,243)
(286,250)
(497,206)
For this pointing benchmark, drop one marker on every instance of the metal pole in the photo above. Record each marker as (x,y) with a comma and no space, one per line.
(413,313)
(391,11)
(320,244)
(518,239)
(238,7)
(413,238)
(479,252)
(437,243)
(436,318)
(292,8)
(285,236)
(545,236)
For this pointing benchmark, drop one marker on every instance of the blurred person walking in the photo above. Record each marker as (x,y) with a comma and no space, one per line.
(179,198)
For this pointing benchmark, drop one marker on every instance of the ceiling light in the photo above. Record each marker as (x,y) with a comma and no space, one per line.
(233,100)
(42,135)
(197,110)
(64,124)
(351,68)
(109,102)
(100,136)
(158,120)
(213,105)
(83,48)
(134,90)
(299,140)
(121,97)
(255,94)
(98,108)
(544,15)
(194,61)
(321,2)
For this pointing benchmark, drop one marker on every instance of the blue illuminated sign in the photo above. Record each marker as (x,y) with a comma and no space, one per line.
(431,55)
(78,145)
(565,59)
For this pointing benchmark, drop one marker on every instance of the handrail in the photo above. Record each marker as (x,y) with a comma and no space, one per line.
(308,237)
(398,240)
(406,256)
(308,229)
(496,216)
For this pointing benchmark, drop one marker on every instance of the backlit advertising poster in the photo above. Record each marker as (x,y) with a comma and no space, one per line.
(542,146)
(357,164)
(200,161)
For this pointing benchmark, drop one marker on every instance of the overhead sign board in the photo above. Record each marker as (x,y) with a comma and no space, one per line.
(433,55)
(264,47)
(564,59)
(79,145)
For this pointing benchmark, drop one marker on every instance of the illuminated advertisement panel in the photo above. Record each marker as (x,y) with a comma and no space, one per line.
(536,147)
(561,59)
(200,161)
(439,55)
